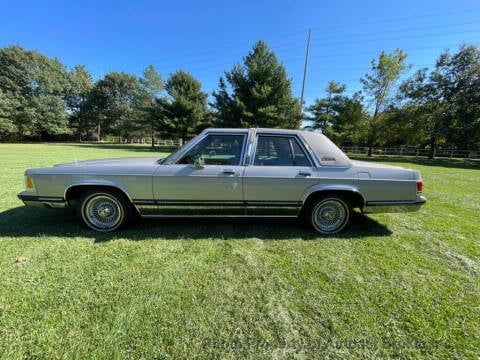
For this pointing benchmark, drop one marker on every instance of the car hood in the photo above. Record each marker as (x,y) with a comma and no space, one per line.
(119,166)
(133,161)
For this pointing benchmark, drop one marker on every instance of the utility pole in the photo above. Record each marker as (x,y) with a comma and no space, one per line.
(305,67)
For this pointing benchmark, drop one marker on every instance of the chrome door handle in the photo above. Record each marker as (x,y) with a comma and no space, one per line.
(304,173)
(229,171)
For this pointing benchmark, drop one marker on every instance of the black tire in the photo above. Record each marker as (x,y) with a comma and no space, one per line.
(328,214)
(104,210)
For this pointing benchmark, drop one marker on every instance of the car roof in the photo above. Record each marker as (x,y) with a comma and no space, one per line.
(230,130)
(246,130)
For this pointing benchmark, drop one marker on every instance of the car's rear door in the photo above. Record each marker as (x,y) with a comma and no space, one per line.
(280,171)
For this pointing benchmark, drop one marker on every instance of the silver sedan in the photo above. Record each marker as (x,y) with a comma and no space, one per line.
(229,173)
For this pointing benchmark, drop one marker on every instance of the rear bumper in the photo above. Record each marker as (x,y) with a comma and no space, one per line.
(394,206)
(42,201)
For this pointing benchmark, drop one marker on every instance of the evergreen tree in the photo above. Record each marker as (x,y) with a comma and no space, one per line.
(185,111)
(260,93)
(322,111)
(152,84)
(340,117)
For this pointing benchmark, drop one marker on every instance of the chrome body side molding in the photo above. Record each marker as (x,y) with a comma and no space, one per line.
(169,208)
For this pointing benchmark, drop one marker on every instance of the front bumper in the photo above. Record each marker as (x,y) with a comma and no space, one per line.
(42,201)
(394,206)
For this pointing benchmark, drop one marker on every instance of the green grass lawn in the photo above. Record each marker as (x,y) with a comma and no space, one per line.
(391,286)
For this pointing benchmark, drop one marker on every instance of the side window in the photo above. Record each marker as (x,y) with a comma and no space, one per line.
(279,151)
(216,150)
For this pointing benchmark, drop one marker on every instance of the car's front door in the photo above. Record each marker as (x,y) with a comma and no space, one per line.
(206,180)
(279,173)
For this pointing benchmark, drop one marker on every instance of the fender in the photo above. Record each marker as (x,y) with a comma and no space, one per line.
(97,182)
(331,187)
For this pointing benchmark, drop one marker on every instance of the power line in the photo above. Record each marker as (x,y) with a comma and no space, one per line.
(399,37)
(212,64)
(388,21)
(288,47)
(200,74)
(376,52)
(362,69)
(299,33)
(403,30)
(288,50)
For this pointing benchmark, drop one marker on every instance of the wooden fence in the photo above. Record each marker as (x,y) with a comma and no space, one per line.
(414,151)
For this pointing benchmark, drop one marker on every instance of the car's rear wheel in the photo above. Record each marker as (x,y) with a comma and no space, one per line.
(104,210)
(329,214)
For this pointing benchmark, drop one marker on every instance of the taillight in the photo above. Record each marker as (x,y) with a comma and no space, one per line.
(419,186)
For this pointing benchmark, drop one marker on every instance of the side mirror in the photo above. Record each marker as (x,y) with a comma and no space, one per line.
(198,163)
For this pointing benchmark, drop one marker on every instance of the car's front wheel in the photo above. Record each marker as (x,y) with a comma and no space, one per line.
(329,214)
(104,210)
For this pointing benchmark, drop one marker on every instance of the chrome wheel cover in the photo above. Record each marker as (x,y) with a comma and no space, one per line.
(103,212)
(330,216)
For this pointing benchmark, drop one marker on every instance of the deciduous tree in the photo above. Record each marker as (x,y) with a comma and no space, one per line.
(7,127)
(33,87)
(447,100)
(80,85)
(112,104)
(378,86)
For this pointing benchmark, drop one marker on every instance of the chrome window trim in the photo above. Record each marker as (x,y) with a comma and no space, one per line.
(300,143)
(181,152)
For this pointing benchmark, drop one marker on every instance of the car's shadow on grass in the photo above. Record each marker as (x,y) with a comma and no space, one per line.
(30,222)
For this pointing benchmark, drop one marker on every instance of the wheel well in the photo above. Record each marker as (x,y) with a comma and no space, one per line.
(74,193)
(355,199)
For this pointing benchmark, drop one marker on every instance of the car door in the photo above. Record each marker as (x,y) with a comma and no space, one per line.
(280,171)
(206,180)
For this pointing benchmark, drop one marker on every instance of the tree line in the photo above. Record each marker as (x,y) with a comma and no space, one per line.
(41,100)
(431,108)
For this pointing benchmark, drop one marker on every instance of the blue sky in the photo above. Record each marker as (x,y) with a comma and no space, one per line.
(206,38)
